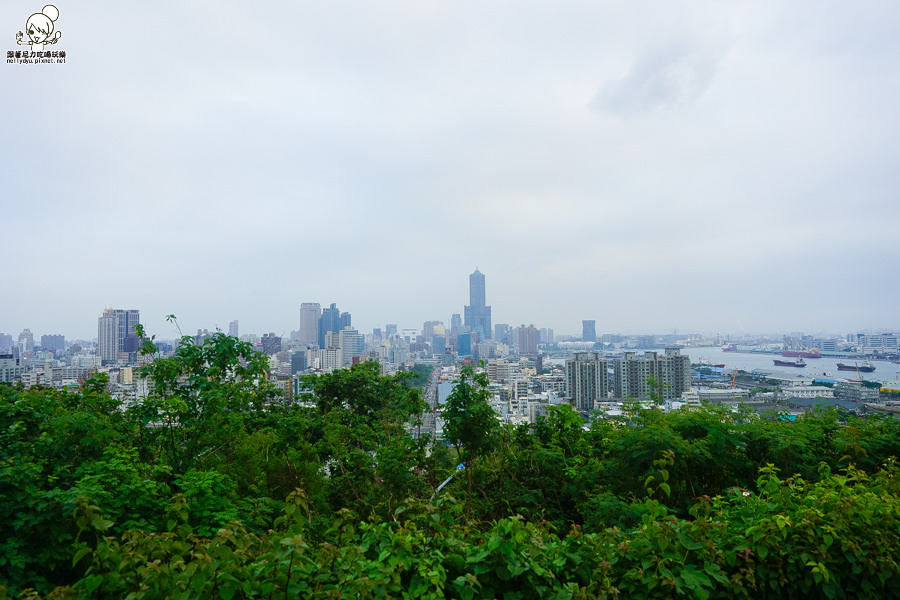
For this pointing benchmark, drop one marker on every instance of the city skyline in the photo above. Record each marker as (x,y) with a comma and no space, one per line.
(652,166)
(313,322)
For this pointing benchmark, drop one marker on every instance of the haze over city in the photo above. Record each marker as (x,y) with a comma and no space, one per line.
(651,165)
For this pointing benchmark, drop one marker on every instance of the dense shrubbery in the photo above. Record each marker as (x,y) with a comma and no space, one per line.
(217,487)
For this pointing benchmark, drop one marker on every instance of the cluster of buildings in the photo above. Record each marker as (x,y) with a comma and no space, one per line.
(860,343)
(528,369)
(592,379)
(327,340)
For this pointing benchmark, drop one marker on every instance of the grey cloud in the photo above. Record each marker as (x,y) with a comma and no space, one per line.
(376,148)
(672,75)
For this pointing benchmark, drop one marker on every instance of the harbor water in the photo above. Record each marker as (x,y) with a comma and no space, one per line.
(823,368)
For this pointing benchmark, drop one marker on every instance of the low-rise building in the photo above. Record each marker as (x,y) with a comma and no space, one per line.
(855,391)
(715,395)
(808,391)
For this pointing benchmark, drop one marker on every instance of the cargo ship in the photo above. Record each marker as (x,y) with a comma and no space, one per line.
(707,363)
(791,363)
(814,353)
(866,367)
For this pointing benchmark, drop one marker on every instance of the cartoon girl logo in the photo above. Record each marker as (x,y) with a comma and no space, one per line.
(40,29)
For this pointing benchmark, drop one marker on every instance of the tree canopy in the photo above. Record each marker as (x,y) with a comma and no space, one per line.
(216,485)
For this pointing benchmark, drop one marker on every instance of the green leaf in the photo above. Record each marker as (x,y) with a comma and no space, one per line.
(101,524)
(80,554)
(689,543)
(92,582)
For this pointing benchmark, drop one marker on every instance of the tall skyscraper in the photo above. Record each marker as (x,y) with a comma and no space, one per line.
(309,323)
(233,329)
(589,331)
(113,327)
(107,335)
(477,314)
(329,321)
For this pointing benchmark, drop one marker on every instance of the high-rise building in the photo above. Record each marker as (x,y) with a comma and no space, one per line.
(309,323)
(430,329)
(438,344)
(6,343)
(352,345)
(113,327)
(588,330)
(455,327)
(586,380)
(346,321)
(477,313)
(390,329)
(528,341)
(53,343)
(329,321)
(271,343)
(128,330)
(671,370)
(26,341)
(233,329)
(333,342)
(464,344)
(202,335)
(632,375)
(10,368)
(298,361)
(327,359)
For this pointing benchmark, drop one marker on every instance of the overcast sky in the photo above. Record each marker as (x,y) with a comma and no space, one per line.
(700,166)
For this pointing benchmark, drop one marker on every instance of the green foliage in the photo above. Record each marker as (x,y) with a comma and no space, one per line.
(364,437)
(200,399)
(216,487)
(470,424)
(837,538)
(48,438)
(421,375)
